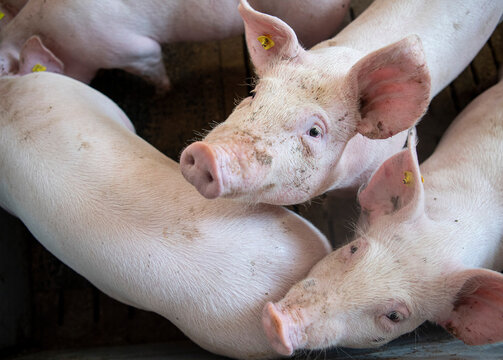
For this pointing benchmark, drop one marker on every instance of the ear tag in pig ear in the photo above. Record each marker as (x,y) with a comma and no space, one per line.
(266,41)
(38,68)
(408,178)
(1,15)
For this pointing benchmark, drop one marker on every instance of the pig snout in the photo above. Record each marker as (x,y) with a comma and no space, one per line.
(282,330)
(199,166)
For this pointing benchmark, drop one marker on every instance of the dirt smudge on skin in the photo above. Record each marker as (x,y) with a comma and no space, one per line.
(306,149)
(395,202)
(263,158)
(186,232)
(84,145)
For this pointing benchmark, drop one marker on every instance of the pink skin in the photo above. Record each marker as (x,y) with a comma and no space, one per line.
(422,251)
(118,212)
(299,153)
(329,116)
(82,37)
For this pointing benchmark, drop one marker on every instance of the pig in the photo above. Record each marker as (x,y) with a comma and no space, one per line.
(79,37)
(326,118)
(119,212)
(423,251)
(9,9)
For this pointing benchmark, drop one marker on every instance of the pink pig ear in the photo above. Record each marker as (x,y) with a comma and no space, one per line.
(392,87)
(36,57)
(477,315)
(397,186)
(267,37)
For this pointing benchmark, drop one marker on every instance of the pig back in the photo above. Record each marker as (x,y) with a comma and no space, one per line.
(472,145)
(119,213)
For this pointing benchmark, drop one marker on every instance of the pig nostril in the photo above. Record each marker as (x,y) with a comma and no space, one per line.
(190,160)
(209,177)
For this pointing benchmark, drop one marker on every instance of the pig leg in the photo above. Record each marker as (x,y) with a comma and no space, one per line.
(147,62)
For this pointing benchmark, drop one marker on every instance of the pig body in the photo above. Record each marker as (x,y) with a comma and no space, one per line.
(119,212)
(422,251)
(326,118)
(79,37)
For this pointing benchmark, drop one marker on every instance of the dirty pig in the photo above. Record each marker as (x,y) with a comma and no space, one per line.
(119,213)
(424,251)
(326,119)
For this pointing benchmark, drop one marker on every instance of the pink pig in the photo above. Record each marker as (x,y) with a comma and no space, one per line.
(119,212)
(422,251)
(77,37)
(326,118)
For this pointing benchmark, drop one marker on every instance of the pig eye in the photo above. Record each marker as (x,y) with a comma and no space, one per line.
(353,249)
(315,131)
(395,316)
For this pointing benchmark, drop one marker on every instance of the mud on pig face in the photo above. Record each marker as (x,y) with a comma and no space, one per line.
(401,270)
(276,147)
(360,296)
(283,145)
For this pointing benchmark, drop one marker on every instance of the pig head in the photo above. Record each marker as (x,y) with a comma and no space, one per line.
(390,279)
(309,127)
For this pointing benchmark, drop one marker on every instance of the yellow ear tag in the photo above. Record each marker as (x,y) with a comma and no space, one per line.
(1,15)
(407,177)
(266,41)
(422,179)
(38,68)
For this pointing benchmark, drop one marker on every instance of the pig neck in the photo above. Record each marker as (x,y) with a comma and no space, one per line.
(452,32)
(369,155)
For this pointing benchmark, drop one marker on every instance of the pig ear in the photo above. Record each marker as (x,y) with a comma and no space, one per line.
(36,57)
(268,38)
(397,186)
(476,317)
(392,88)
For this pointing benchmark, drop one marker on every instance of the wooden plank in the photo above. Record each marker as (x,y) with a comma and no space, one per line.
(484,69)
(441,112)
(438,350)
(233,72)
(496,43)
(358,6)
(15,301)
